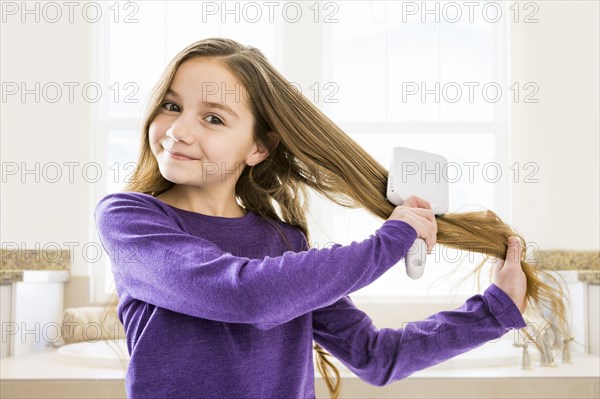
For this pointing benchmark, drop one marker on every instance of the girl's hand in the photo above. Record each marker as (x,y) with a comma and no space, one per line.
(509,276)
(417,212)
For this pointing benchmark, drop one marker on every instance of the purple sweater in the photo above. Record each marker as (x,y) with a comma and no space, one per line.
(217,307)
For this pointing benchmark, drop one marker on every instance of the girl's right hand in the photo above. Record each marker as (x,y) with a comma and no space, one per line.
(418,214)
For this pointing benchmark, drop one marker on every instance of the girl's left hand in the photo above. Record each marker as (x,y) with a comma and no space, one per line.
(508,274)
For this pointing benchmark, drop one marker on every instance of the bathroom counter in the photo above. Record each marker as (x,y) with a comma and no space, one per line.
(16,263)
(580,379)
(587,263)
(40,375)
(42,365)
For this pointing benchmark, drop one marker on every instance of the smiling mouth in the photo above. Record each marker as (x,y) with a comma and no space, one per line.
(180,157)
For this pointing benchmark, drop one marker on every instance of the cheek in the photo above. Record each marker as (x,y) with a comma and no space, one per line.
(155,132)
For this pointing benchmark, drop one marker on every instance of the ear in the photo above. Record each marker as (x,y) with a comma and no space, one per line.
(262,152)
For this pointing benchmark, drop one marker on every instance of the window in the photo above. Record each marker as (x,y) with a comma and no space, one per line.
(404,82)
(367,58)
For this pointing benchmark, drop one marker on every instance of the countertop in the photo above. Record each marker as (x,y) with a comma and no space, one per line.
(39,375)
(587,263)
(16,262)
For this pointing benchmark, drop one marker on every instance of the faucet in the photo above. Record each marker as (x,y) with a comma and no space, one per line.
(526,361)
(551,338)
(566,353)
(548,340)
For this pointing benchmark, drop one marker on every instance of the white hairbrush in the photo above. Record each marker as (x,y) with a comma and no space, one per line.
(424,174)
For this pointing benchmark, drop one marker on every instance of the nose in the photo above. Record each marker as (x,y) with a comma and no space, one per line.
(170,134)
(180,130)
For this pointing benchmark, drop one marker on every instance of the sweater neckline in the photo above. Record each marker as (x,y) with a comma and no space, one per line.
(249,218)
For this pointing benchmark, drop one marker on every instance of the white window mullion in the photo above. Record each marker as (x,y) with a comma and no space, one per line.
(503,191)
(99,271)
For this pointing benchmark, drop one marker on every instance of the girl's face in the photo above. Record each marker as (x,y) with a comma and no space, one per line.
(206,118)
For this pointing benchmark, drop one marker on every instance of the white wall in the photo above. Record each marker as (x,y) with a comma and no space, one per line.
(44,213)
(560,133)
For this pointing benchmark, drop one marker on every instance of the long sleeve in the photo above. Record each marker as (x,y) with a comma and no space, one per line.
(382,356)
(159,263)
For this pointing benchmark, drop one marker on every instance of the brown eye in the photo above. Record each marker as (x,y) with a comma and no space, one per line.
(219,121)
(167,104)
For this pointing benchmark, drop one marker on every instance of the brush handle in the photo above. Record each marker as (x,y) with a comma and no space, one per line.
(415,259)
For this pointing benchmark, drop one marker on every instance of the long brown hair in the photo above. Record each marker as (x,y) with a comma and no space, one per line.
(313,152)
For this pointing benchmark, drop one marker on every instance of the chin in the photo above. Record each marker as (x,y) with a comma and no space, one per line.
(172,175)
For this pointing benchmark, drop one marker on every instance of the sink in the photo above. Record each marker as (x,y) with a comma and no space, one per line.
(491,354)
(102,353)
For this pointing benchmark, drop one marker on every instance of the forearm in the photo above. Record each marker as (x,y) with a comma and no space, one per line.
(386,355)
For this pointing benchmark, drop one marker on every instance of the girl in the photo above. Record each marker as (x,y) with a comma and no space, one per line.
(220,297)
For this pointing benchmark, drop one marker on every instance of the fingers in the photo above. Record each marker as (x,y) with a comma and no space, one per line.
(425,217)
(424,213)
(416,202)
(425,229)
(513,253)
(508,274)
(497,264)
(420,206)
(496,267)
(430,240)
(429,234)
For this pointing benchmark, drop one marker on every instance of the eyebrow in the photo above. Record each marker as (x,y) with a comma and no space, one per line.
(211,104)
